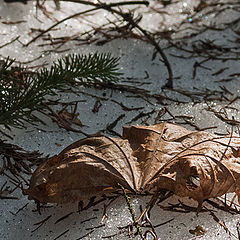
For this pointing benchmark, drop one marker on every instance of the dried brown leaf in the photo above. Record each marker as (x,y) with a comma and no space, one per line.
(86,168)
(195,164)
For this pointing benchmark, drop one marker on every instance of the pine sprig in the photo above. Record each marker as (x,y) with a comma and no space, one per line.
(93,68)
(22,92)
(81,69)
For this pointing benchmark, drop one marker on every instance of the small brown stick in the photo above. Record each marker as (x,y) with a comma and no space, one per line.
(62,122)
(40,223)
(61,21)
(91,203)
(19,210)
(220,71)
(183,208)
(13,22)
(20,176)
(149,205)
(13,40)
(4,192)
(115,234)
(238,229)
(141,115)
(104,213)
(233,199)
(79,93)
(160,114)
(224,119)
(61,234)
(128,18)
(222,224)
(62,218)
(89,219)
(153,232)
(161,224)
(118,4)
(226,90)
(105,208)
(85,235)
(207,128)
(125,108)
(228,145)
(13,180)
(199,64)
(97,106)
(96,227)
(6,135)
(225,208)
(113,125)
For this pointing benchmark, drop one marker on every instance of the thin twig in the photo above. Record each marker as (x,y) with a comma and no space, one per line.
(97,6)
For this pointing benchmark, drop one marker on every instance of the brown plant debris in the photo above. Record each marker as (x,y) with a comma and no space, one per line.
(193,164)
(61,234)
(39,224)
(5,191)
(17,160)
(198,231)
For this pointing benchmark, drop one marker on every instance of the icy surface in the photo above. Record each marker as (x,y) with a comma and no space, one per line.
(140,71)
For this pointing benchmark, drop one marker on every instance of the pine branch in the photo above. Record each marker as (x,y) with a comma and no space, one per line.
(22,92)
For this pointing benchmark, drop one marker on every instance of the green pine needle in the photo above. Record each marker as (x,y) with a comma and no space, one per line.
(130,207)
(22,92)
